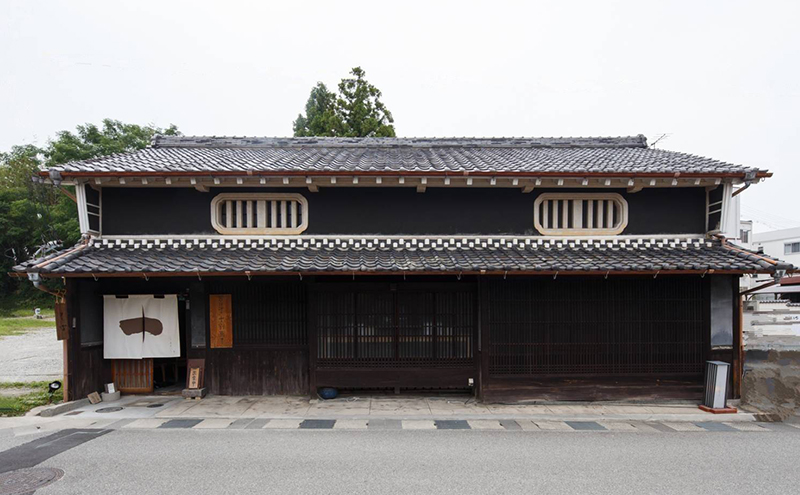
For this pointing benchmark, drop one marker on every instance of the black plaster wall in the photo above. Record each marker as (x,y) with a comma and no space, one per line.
(385,211)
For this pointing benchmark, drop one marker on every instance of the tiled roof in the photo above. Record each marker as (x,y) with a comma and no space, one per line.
(624,155)
(396,254)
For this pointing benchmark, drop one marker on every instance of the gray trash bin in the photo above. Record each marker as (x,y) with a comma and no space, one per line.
(716,394)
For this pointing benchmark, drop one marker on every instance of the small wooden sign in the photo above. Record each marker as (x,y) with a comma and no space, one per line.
(94,398)
(62,321)
(221,321)
(194,378)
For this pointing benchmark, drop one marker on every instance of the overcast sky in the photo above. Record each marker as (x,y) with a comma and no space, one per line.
(720,78)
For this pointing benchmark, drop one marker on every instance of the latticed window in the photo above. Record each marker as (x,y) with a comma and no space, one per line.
(259,213)
(580,213)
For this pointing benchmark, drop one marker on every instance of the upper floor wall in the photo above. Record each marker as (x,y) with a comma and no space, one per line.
(404,211)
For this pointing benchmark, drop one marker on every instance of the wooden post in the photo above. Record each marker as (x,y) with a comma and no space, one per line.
(311,325)
(483,331)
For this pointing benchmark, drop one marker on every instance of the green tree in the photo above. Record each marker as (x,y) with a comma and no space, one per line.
(32,215)
(90,141)
(356,111)
(360,108)
(320,118)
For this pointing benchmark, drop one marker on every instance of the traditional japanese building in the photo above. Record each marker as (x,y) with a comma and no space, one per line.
(544,268)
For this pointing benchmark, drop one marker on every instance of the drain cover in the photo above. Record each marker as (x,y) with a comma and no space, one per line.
(109,409)
(28,480)
(155,405)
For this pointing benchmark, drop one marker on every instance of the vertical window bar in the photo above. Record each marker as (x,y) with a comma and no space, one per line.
(249,214)
(239,214)
(273,210)
(228,214)
(577,214)
(262,214)
(600,211)
(283,215)
(546,214)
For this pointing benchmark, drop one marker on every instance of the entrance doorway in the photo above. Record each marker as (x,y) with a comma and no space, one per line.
(393,336)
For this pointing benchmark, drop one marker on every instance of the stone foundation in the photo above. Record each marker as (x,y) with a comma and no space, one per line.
(771,381)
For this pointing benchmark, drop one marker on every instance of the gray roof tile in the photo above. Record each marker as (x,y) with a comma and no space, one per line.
(393,254)
(181,154)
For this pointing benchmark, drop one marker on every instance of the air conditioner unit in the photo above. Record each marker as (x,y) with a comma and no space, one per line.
(716,393)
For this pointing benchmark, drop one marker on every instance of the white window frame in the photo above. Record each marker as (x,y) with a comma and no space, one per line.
(284,200)
(581,231)
(83,209)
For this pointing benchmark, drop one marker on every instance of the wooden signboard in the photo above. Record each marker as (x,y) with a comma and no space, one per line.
(62,321)
(221,321)
(196,376)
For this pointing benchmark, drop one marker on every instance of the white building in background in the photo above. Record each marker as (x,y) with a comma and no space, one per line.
(782,244)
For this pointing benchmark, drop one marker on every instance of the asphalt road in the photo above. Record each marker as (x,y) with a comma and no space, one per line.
(297,461)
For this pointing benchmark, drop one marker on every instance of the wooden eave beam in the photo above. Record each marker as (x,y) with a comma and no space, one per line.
(350,173)
(548,273)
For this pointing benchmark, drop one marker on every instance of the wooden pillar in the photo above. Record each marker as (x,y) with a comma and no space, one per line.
(311,325)
(72,343)
(483,335)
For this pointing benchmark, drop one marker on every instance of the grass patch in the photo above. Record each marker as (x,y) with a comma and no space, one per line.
(17,325)
(12,404)
(12,305)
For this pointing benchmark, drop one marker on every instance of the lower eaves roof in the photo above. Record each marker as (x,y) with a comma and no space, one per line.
(306,254)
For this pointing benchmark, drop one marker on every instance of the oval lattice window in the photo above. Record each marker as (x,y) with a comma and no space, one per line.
(259,213)
(580,213)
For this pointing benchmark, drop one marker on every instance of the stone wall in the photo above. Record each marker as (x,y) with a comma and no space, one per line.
(771,381)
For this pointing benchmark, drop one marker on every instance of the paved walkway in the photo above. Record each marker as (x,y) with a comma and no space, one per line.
(46,425)
(380,412)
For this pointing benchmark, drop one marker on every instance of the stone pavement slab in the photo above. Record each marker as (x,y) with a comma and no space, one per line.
(586,425)
(317,424)
(742,426)
(553,426)
(256,424)
(213,423)
(350,424)
(384,424)
(712,426)
(181,423)
(145,423)
(683,426)
(418,424)
(280,424)
(485,424)
(617,426)
(452,424)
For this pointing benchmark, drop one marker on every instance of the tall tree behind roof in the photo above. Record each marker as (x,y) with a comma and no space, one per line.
(33,215)
(357,111)
(320,118)
(90,141)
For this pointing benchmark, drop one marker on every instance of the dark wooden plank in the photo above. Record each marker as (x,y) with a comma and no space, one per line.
(221,321)
(257,372)
(421,378)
